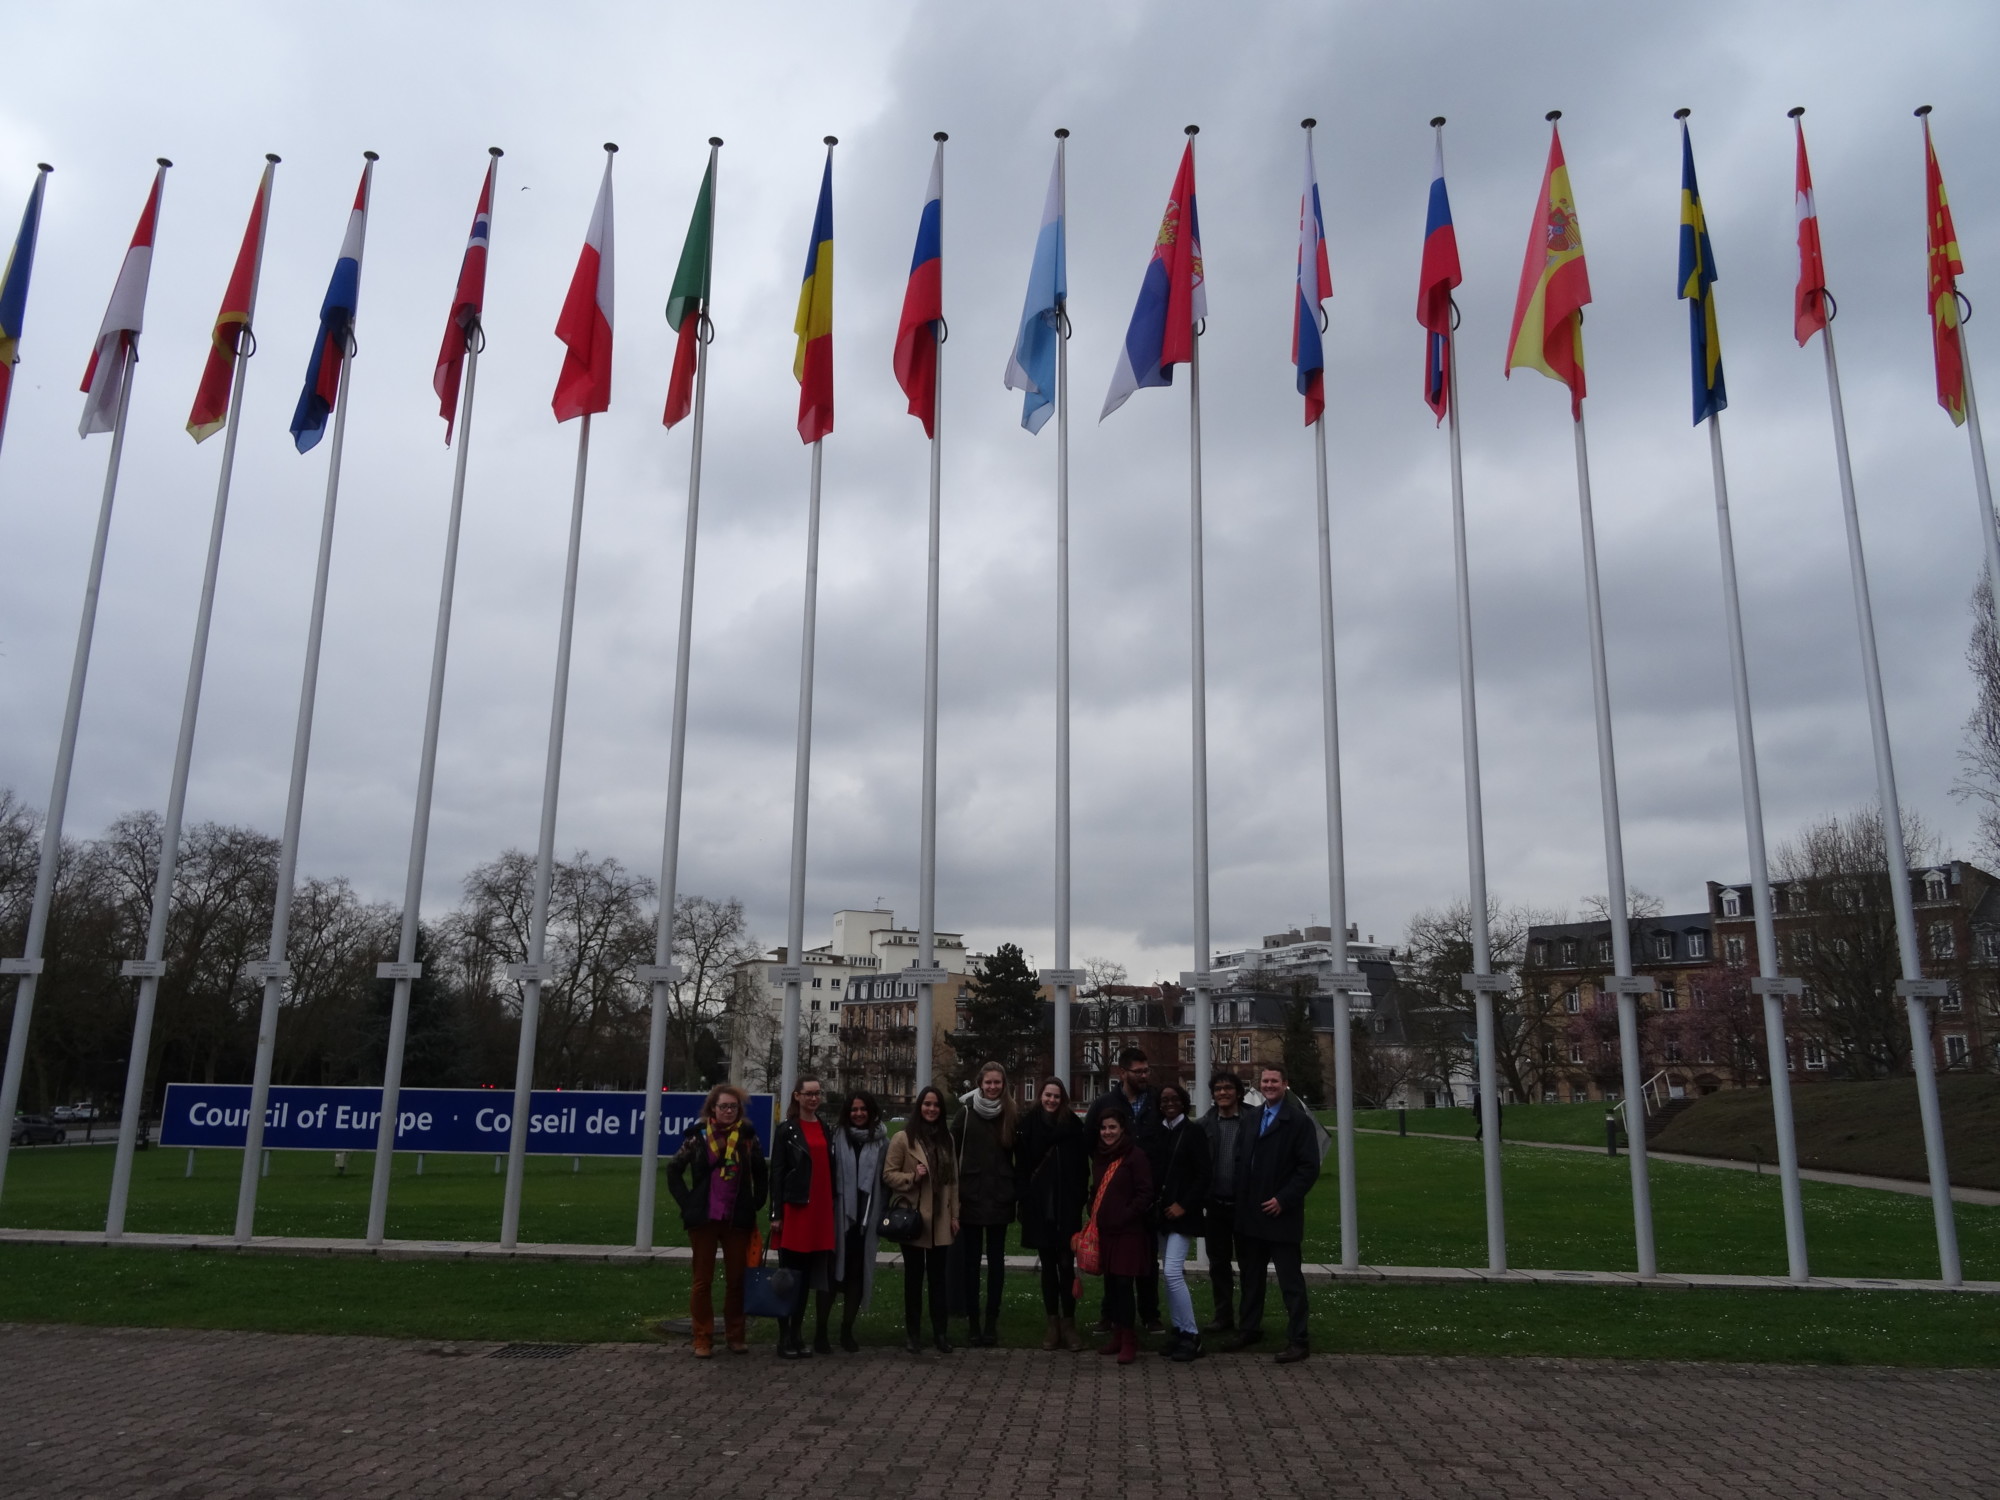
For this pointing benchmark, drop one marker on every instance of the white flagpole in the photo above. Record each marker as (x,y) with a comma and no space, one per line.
(1344,981)
(929,976)
(406,968)
(662,973)
(1063,988)
(1481,982)
(29,966)
(792,973)
(274,970)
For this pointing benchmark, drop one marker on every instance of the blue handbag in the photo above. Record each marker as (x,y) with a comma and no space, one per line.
(769,1293)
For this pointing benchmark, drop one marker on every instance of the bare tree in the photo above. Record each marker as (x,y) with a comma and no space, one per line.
(1438,1014)
(712,942)
(1979,754)
(1099,975)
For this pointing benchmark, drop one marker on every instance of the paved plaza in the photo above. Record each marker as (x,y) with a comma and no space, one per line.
(133,1414)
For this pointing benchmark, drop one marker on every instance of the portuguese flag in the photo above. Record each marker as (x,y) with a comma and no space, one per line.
(687,304)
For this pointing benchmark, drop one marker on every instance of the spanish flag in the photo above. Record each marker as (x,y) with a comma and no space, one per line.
(813,363)
(1945,269)
(1548,313)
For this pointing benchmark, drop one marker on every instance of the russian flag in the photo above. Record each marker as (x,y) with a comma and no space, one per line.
(923,306)
(1032,366)
(1315,286)
(104,378)
(467,302)
(584,386)
(1439,275)
(336,324)
(1172,298)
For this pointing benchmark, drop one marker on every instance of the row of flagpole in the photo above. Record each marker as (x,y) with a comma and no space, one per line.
(1167,324)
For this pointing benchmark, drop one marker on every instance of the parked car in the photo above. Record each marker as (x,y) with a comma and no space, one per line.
(37,1130)
(74,1112)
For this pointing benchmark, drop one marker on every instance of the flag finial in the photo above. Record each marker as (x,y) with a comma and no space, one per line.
(495,152)
(371,156)
(715,140)
(163,161)
(1062,132)
(939,135)
(833,140)
(1553,115)
(1307,123)
(1793,114)
(1682,114)
(272,157)
(611,146)
(1437,122)
(1192,130)
(1921,111)
(42,166)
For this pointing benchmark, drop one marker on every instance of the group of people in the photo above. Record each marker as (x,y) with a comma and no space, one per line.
(1132,1184)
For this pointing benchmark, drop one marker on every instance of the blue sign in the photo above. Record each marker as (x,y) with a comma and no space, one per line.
(560,1123)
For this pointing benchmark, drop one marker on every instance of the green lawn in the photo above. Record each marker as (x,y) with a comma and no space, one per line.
(1420,1203)
(1564,1124)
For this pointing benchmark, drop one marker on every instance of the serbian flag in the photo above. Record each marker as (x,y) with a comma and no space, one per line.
(1032,366)
(14,290)
(687,301)
(1809,301)
(118,335)
(1315,286)
(1435,280)
(923,306)
(336,325)
(584,386)
(1172,298)
(1945,269)
(812,364)
(1548,311)
(1698,290)
(239,305)
(467,302)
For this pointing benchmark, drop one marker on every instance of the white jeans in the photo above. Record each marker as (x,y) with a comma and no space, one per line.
(1180,1305)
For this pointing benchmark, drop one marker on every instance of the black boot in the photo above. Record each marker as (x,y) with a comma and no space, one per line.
(910,1340)
(938,1340)
(788,1345)
(820,1343)
(847,1340)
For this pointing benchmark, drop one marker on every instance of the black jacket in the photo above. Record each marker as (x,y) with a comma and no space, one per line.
(688,1176)
(1179,1158)
(1211,1129)
(1143,1114)
(792,1167)
(985,1167)
(1051,1178)
(1282,1163)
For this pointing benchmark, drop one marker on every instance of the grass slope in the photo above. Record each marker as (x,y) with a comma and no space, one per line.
(1853,1127)
(1562,1124)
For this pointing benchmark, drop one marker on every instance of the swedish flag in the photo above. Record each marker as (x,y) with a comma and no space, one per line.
(1697,283)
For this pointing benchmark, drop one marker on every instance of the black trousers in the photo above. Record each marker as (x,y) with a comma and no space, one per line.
(924,1270)
(1257,1257)
(989,1241)
(1118,1300)
(1146,1292)
(1059,1282)
(1218,1231)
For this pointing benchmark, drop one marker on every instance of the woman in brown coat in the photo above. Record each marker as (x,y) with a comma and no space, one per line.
(920,1171)
(1122,1197)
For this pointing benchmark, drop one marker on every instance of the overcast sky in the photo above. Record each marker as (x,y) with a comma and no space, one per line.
(101,90)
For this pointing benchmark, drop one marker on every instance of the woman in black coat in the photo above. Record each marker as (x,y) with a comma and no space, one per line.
(1052,1183)
(1177,1150)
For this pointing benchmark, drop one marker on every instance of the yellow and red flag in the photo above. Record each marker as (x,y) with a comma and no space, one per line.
(1555,285)
(1945,269)
(226,340)
(813,361)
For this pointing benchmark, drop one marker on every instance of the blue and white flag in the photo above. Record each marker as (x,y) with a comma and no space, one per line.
(1032,367)
(336,320)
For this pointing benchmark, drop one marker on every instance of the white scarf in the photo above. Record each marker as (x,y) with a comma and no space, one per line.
(988,1109)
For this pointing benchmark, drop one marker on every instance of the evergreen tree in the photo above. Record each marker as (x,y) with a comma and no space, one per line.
(1003,1017)
(1302,1069)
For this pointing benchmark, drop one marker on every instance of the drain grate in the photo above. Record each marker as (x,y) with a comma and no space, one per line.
(535,1351)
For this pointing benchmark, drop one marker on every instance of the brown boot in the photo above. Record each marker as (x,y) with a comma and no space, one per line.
(1053,1339)
(704,1342)
(1072,1340)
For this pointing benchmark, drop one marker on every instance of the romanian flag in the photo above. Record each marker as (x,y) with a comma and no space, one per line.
(813,363)
(239,306)
(584,325)
(1697,289)
(1548,312)
(1945,269)
(1315,286)
(687,301)
(1809,300)
(14,290)
(118,335)
(336,324)
(923,306)
(1435,280)
(1172,299)
(468,301)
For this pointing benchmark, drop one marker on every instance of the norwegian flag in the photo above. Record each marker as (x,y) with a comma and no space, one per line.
(466,304)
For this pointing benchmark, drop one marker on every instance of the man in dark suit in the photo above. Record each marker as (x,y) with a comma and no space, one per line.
(1277,1162)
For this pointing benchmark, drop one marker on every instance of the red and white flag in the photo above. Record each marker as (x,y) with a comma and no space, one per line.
(104,380)
(467,302)
(1809,301)
(585,325)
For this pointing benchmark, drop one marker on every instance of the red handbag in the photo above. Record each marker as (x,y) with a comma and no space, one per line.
(1089,1257)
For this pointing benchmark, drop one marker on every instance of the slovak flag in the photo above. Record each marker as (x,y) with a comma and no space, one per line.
(118,336)
(923,306)
(1809,299)
(466,305)
(1315,286)
(336,324)
(1439,275)
(584,386)
(1172,299)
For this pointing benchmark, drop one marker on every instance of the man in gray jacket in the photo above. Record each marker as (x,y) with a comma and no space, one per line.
(1223,1124)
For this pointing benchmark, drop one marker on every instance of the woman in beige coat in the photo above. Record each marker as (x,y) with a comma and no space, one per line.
(920,1170)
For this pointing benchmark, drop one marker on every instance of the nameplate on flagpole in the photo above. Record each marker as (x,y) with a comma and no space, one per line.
(264,969)
(786,974)
(1923,989)
(540,973)
(1781,989)
(925,976)
(1074,978)
(23,966)
(1486,984)
(143,968)
(399,971)
(1205,980)
(659,974)
(1625,984)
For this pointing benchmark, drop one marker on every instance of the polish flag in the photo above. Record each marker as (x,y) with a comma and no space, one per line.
(104,380)
(584,386)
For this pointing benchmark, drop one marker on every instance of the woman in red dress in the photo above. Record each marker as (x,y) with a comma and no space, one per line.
(802,1215)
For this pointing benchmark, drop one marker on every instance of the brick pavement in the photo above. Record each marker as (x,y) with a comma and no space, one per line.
(135,1414)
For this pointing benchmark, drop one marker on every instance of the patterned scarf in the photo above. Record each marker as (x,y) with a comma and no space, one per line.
(726,1150)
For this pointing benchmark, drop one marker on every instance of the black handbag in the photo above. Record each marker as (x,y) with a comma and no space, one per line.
(900,1224)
